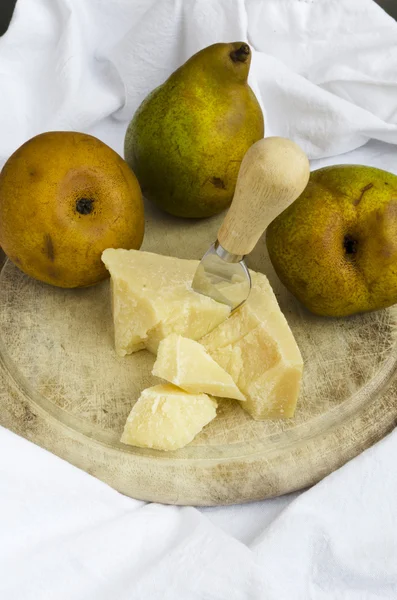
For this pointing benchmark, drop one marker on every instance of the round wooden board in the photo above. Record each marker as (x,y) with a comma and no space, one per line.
(63,387)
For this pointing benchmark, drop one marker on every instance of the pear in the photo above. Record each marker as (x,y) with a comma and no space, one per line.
(186,141)
(335,247)
(65,197)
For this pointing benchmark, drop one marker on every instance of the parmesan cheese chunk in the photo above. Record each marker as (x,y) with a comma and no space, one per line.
(187,364)
(167,418)
(257,348)
(152,298)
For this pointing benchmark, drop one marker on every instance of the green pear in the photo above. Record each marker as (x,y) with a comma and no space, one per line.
(335,247)
(186,141)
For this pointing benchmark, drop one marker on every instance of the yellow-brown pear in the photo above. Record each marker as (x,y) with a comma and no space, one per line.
(335,247)
(64,198)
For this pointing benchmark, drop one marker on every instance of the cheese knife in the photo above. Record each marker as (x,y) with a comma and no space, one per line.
(273,173)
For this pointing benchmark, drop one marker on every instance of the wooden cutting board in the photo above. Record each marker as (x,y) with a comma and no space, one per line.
(63,387)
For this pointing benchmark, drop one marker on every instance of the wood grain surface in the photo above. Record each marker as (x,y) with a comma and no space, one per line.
(63,387)
(273,173)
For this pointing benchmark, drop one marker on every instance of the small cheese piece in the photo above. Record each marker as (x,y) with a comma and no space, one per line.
(167,418)
(152,298)
(187,364)
(257,348)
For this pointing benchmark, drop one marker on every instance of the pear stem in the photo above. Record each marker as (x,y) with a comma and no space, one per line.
(240,54)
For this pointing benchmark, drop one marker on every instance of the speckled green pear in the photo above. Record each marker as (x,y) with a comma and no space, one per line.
(335,247)
(186,141)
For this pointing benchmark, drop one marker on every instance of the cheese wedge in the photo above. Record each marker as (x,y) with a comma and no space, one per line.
(188,365)
(167,418)
(257,348)
(152,298)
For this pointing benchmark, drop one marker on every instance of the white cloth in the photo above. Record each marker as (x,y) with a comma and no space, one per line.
(64,535)
(325,72)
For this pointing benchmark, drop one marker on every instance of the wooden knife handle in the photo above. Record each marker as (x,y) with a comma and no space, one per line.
(273,173)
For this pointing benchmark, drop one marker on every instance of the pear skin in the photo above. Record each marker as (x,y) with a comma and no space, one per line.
(335,247)
(186,141)
(64,198)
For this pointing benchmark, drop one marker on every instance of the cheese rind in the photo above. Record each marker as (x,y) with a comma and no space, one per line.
(152,298)
(257,348)
(186,363)
(167,418)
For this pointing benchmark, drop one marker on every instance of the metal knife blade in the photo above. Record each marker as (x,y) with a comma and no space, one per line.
(223,276)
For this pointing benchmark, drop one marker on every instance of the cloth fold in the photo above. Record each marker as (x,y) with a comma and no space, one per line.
(64,534)
(324,70)
(325,74)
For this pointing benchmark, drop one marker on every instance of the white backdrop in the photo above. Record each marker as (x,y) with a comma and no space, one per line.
(325,72)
